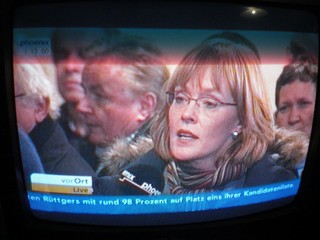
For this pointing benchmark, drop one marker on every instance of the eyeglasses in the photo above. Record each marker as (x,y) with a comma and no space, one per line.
(181,99)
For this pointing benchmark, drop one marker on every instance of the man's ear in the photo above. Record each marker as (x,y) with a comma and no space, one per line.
(148,104)
(41,109)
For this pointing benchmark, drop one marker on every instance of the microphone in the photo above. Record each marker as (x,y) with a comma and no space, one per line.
(142,179)
(139,179)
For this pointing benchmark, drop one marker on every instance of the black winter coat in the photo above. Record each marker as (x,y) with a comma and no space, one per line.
(57,154)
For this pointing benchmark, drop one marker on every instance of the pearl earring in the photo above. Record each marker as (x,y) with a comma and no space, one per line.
(234,135)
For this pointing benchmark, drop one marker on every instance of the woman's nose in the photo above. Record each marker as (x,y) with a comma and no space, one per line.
(190,112)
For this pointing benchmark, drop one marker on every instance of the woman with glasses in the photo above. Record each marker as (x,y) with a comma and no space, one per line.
(216,130)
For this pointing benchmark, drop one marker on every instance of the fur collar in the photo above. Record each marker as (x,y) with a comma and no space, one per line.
(290,147)
(122,152)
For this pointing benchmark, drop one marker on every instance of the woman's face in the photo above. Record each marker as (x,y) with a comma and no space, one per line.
(201,133)
(296,106)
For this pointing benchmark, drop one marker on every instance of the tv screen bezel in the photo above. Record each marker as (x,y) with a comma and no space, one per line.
(18,218)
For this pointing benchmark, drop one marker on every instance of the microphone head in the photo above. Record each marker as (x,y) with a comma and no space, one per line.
(141,179)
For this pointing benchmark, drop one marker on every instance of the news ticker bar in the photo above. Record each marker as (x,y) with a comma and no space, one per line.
(137,204)
(68,184)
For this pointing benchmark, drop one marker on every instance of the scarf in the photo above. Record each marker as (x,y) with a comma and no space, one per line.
(184,179)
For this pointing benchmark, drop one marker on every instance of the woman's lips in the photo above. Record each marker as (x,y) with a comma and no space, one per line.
(186,135)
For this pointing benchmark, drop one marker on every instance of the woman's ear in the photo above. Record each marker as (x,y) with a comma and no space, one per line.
(41,109)
(148,104)
(238,128)
(236,131)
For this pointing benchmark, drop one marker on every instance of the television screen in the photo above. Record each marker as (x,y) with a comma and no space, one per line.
(92,88)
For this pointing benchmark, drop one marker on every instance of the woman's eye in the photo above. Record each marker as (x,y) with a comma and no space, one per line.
(209,103)
(303,104)
(180,99)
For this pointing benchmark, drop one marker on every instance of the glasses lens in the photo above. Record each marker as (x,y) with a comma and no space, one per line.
(170,97)
(208,103)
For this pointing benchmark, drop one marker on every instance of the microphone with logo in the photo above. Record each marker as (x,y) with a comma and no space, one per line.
(140,179)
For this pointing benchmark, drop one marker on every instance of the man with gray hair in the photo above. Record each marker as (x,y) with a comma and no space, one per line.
(122,95)
(37,108)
